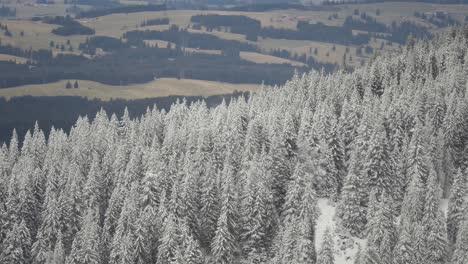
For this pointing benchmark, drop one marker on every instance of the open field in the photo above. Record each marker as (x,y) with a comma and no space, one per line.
(250,56)
(37,35)
(20,60)
(25,11)
(159,88)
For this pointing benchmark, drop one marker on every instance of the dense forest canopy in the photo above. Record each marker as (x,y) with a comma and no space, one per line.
(6,11)
(61,112)
(239,183)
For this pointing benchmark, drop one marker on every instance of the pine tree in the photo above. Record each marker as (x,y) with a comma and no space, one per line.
(413,203)
(435,234)
(13,150)
(58,256)
(224,244)
(295,241)
(86,248)
(209,211)
(326,253)
(405,251)
(455,206)
(351,213)
(16,247)
(381,234)
(170,241)
(189,250)
(460,254)
(257,210)
(337,156)
(379,166)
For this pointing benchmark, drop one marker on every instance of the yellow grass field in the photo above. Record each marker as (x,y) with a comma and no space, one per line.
(159,88)
(250,56)
(37,35)
(18,60)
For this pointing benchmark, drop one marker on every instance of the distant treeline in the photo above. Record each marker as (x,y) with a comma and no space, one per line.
(39,55)
(183,38)
(251,28)
(155,22)
(366,23)
(401,32)
(97,4)
(69,26)
(304,31)
(259,7)
(140,65)
(121,10)
(338,2)
(6,11)
(309,60)
(439,19)
(237,23)
(102,42)
(187,39)
(63,111)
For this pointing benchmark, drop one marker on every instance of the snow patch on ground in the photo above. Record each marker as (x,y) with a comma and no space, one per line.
(325,220)
(444,206)
(346,247)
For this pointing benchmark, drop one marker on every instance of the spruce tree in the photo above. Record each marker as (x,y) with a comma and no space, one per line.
(16,247)
(224,245)
(455,205)
(460,253)
(326,252)
(351,213)
(435,233)
(170,241)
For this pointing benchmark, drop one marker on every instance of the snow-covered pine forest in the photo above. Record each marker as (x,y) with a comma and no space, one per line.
(239,183)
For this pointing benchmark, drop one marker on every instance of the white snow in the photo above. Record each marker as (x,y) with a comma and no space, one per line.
(346,247)
(444,206)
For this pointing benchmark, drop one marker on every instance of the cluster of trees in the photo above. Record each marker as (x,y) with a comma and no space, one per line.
(69,26)
(140,65)
(121,9)
(309,60)
(237,23)
(102,42)
(69,85)
(239,183)
(252,28)
(184,38)
(338,2)
(333,34)
(365,23)
(6,11)
(96,4)
(154,22)
(401,32)
(439,19)
(21,113)
(282,5)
